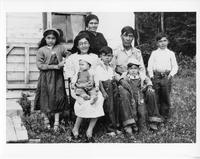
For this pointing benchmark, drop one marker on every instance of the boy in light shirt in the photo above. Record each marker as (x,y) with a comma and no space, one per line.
(108,87)
(162,66)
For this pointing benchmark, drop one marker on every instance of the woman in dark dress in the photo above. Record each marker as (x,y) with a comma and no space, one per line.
(50,95)
(97,40)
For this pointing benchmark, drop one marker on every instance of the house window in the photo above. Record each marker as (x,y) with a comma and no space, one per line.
(71,23)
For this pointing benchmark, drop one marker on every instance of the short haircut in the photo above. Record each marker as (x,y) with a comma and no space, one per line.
(128,30)
(160,36)
(105,50)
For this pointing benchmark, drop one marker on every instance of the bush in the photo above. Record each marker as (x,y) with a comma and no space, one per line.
(25,104)
(187,66)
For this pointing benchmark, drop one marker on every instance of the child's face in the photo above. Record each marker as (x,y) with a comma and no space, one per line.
(106,58)
(50,40)
(83,65)
(83,46)
(133,70)
(162,43)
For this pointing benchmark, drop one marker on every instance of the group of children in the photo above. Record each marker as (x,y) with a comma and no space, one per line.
(86,83)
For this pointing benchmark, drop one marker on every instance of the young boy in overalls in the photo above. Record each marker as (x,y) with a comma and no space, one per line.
(162,66)
(136,84)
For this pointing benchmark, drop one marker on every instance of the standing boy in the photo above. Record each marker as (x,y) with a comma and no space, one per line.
(162,66)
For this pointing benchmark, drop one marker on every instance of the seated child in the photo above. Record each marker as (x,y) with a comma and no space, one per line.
(84,82)
(136,85)
(109,89)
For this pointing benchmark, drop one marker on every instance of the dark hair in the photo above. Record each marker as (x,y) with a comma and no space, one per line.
(80,36)
(43,41)
(62,40)
(90,17)
(105,50)
(127,30)
(160,36)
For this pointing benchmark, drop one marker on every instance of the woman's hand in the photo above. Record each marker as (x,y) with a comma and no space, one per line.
(117,77)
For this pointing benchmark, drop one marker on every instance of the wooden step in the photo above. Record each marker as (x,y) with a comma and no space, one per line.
(15,130)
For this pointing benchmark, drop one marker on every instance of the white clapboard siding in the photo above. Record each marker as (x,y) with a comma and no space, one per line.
(15,76)
(24,27)
(15,67)
(15,58)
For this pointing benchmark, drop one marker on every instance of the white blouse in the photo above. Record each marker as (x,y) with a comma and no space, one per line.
(161,61)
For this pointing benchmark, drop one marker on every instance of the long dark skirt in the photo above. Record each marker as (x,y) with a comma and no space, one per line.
(111,104)
(50,93)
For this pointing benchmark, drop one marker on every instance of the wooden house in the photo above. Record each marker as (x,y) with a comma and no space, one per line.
(24,31)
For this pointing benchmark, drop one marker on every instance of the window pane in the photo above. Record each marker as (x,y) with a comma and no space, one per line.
(70,24)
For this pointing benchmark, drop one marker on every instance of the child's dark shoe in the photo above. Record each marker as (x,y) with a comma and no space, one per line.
(90,140)
(75,136)
(153,126)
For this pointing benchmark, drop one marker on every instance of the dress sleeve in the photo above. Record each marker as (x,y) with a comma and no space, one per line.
(40,61)
(69,67)
(65,52)
(104,42)
(96,79)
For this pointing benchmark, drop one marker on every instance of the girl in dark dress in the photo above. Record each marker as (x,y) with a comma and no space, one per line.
(97,40)
(50,93)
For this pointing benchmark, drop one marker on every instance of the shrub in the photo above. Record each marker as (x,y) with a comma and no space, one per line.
(187,66)
(25,104)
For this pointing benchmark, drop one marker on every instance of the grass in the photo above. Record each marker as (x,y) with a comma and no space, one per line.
(181,128)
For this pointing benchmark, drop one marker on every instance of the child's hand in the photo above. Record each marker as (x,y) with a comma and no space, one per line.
(97,89)
(61,64)
(72,86)
(169,77)
(105,95)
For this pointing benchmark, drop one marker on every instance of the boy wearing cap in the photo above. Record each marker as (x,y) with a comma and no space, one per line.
(84,82)
(135,85)
(162,66)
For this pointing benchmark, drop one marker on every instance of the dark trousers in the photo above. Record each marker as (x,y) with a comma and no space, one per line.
(111,104)
(162,86)
(152,106)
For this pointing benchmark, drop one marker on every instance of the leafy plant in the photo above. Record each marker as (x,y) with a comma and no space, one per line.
(25,104)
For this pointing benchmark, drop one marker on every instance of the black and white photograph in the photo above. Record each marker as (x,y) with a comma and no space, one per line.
(139,86)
